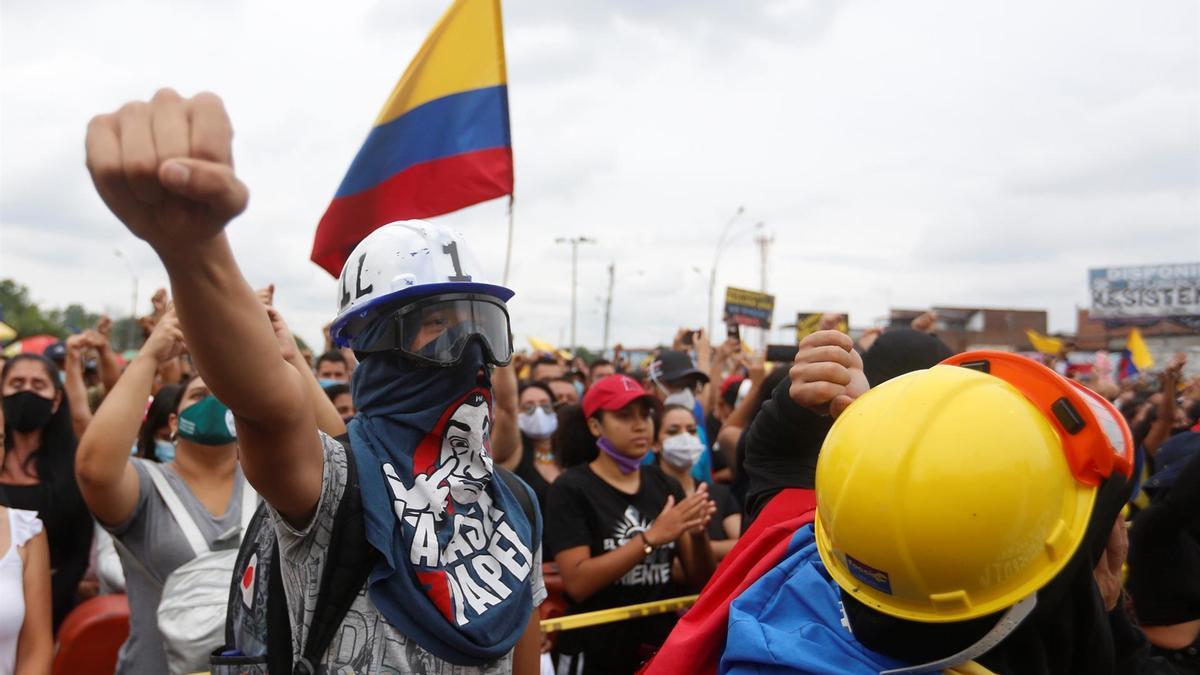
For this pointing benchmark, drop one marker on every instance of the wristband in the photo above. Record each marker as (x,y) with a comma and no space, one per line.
(648,548)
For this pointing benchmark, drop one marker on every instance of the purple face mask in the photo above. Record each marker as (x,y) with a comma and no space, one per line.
(625,463)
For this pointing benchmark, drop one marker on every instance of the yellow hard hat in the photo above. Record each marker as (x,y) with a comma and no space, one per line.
(946,495)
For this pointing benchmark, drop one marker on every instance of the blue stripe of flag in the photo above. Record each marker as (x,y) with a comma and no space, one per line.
(451,125)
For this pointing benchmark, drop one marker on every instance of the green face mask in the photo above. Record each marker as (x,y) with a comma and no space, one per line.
(208,422)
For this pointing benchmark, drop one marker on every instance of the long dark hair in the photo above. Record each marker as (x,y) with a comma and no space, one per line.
(166,401)
(573,442)
(55,457)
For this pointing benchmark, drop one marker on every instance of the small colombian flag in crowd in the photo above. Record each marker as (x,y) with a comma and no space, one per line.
(441,142)
(1136,357)
(1044,344)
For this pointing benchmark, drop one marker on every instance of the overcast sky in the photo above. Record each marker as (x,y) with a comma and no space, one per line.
(905,154)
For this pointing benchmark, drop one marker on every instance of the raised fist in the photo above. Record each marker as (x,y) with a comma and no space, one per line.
(165,169)
(828,373)
(165,341)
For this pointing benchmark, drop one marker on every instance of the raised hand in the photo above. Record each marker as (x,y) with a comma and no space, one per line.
(165,169)
(828,374)
(756,369)
(160,301)
(926,323)
(165,341)
(266,295)
(288,347)
(830,321)
(104,327)
(1107,572)
(77,345)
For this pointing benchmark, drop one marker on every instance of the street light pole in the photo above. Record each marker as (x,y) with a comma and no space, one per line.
(574,242)
(612,274)
(132,298)
(764,240)
(712,272)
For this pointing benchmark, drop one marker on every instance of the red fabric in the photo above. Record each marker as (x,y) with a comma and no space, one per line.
(696,644)
(420,191)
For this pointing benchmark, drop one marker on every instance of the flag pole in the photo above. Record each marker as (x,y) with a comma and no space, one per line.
(508,249)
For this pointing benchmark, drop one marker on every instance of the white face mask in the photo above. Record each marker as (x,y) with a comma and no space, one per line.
(684,397)
(682,450)
(538,424)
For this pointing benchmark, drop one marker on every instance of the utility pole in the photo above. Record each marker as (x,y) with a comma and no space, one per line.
(612,274)
(574,242)
(764,240)
(130,336)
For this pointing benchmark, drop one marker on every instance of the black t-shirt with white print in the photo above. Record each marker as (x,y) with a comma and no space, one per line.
(583,510)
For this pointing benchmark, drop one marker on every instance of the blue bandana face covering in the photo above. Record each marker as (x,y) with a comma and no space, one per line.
(457,548)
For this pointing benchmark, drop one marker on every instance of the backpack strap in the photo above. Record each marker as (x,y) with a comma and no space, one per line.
(279,622)
(521,491)
(350,561)
(191,531)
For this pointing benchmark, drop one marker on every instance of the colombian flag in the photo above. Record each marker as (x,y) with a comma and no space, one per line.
(1044,344)
(1136,356)
(441,142)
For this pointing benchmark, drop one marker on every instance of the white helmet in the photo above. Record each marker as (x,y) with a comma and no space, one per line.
(405,260)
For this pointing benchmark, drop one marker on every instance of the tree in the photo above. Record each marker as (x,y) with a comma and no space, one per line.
(25,317)
(18,310)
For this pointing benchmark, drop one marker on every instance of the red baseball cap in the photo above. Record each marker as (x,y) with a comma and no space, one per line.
(613,393)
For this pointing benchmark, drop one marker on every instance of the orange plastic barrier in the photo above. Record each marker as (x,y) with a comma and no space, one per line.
(91,635)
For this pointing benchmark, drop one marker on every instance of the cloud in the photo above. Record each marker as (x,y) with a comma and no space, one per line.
(907,154)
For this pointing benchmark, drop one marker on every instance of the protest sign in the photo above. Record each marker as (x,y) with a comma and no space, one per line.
(808,323)
(749,308)
(1145,291)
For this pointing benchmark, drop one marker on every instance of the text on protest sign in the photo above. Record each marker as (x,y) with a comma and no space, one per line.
(1145,291)
(748,308)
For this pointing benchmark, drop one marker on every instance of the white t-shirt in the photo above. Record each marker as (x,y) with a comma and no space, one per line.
(22,526)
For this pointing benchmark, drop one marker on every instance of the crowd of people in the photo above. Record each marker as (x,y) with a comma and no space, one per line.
(400,502)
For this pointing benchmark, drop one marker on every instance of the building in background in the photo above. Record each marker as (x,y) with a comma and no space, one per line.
(1162,301)
(965,328)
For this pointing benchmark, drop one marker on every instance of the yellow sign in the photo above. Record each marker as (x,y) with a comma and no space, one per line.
(748,308)
(808,323)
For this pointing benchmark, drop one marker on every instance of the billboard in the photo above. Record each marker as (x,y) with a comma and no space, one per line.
(748,308)
(1145,291)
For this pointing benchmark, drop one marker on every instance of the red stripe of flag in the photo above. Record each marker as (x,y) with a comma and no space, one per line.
(421,191)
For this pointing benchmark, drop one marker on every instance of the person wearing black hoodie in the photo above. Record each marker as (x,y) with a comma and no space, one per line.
(782,425)
(1164,555)
(1073,629)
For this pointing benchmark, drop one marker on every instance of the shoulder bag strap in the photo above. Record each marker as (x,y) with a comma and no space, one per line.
(351,559)
(521,491)
(191,531)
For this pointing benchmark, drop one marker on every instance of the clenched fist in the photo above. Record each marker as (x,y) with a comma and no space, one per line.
(165,168)
(828,373)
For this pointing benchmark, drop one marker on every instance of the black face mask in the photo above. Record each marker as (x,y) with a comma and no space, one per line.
(26,411)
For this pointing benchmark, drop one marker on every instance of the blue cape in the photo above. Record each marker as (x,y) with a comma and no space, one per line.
(791,620)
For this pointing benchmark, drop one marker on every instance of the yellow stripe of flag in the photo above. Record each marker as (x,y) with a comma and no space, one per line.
(449,61)
(1044,344)
(1139,353)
